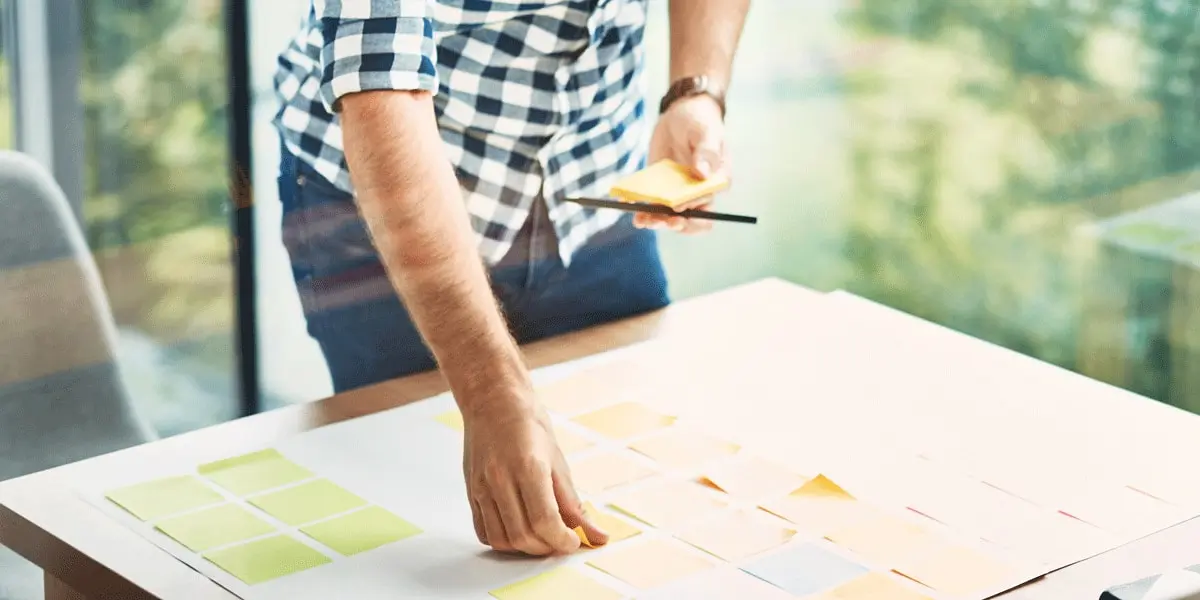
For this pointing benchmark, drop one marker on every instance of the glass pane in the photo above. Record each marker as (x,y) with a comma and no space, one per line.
(156,209)
(6,107)
(291,366)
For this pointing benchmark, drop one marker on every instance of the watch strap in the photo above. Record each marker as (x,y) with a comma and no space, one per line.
(691,86)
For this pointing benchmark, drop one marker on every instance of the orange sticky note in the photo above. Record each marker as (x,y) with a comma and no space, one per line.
(872,586)
(600,472)
(682,448)
(666,182)
(651,563)
(959,571)
(822,487)
(751,478)
(616,528)
(672,505)
(595,387)
(570,442)
(885,541)
(564,582)
(624,420)
(737,536)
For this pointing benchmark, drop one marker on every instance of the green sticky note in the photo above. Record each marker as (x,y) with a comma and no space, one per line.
(254,472)
(307,502)
(361,530)
(213,527)
(266,559)
(162,497)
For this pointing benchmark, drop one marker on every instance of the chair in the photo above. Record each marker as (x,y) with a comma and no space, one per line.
(61,394)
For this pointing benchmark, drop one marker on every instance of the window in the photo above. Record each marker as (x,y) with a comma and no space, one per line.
(156,207)
(6,105)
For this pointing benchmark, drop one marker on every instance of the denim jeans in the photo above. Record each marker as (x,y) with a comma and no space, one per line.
(363,329)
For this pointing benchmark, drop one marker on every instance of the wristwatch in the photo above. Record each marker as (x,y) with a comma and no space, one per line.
(692,86)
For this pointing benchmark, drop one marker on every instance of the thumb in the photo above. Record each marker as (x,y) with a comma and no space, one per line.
(573,513)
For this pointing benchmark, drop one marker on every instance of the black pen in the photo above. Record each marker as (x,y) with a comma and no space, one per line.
(662,209)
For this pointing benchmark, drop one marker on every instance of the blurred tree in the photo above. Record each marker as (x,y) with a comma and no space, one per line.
(154,93)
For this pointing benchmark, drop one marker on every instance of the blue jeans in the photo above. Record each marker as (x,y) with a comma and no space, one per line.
(363,328)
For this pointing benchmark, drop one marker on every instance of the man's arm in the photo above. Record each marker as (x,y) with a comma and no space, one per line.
(705,36)
(378,73)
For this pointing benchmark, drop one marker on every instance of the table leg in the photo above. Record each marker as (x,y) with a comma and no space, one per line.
(57,590)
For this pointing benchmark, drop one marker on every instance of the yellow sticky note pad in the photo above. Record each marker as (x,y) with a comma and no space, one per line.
(666,182)
(600,472)
(308,502)
(752,479)
(624,420)
(682,448)
(616,529)
(212,527)
(958,571)
(885,541)
(266,559)
(671,505)
(872,586)
(737,536)
(452,419)
(560,583)
(651,563)
(254,472)
(162,497)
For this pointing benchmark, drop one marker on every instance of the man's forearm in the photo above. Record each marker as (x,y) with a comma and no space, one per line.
(704,37)
(413,207)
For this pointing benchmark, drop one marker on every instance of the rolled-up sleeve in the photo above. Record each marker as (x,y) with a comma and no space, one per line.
(375,45)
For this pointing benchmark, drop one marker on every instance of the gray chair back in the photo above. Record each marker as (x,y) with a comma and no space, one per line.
(61,395)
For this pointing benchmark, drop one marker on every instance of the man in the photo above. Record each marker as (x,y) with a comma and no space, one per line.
(422,135)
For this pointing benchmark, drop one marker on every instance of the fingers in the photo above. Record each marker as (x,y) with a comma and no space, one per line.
(477,521)
(541,505)
(493,526)
(571,509)
(521,536)
(708,156)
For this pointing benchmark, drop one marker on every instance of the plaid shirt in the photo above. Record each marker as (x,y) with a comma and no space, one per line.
(534,98)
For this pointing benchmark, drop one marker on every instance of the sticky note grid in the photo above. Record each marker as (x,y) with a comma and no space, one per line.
(261,516)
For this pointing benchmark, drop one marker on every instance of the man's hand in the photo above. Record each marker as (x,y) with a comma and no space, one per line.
(691,133)
(518,482)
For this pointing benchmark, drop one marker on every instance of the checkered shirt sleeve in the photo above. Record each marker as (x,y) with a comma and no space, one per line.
(375,45)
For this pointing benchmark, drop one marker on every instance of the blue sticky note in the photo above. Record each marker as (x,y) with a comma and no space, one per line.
(804,570)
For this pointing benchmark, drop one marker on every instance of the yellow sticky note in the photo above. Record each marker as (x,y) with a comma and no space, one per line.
(254,472)
(651,563)
(872,586)
(308,502)
(560,583)
(452,419)
(570,442)
(666,182)
(616,528)
(600,472)
(751,479)
(266,559)
(624,420)
(212,527)
(672,505)
(821,507)
(885,541)
(682,448)
(361,530)
(737,536)
(958,571)
(162,497)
